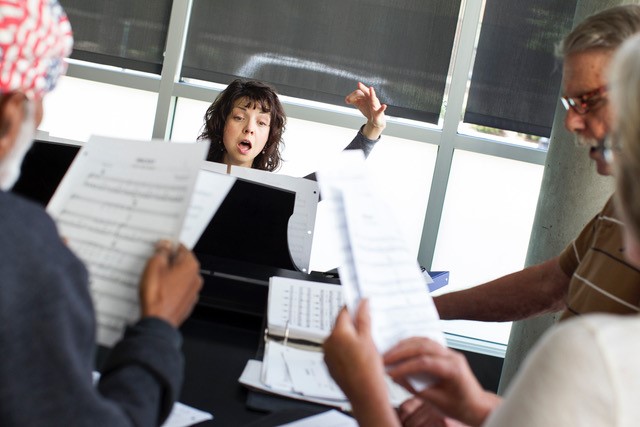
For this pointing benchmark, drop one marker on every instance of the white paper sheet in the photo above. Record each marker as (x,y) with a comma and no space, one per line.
(274,369)
(181,415)
(310,375)
(330,418)
(251,377)
(300,371)
(378,265)
(116,201)
(253,374)
(308,309)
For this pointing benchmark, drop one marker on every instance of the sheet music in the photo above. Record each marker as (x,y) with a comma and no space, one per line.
(308,309)
(331,181)
(380,266)
(116,201)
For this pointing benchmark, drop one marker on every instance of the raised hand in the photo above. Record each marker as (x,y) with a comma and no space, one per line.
(364,99)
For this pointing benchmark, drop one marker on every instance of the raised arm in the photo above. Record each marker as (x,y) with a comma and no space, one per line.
(534,290)
(364,99)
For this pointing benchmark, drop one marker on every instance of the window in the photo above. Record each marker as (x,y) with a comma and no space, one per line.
(111,110)
(486,223)
(420,55)
(123,33)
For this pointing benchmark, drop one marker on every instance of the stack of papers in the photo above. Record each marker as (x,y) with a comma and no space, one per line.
(304,389)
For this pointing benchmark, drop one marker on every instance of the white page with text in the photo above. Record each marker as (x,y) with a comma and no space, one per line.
(376,263)
(116,201)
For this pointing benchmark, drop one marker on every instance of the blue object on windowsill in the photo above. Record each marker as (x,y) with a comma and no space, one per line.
(440,279)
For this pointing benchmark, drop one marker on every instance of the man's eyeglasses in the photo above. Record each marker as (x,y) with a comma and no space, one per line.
(582,104)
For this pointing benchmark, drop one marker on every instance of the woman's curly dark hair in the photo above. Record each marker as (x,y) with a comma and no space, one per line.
(258,93)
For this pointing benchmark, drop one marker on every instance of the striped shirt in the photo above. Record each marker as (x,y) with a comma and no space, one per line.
(602,280)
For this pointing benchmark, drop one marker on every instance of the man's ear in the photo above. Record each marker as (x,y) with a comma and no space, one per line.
(11,117)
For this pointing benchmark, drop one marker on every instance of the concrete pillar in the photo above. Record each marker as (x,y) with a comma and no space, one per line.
(571,193)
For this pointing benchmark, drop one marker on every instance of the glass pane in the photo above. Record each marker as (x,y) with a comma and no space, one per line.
(516,76)
(71,113)
(486,223)
(402,171)
(122,33)
(319,50)
(188,119)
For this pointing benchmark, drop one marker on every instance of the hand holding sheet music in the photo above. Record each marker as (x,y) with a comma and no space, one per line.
(116,201)
(375,261)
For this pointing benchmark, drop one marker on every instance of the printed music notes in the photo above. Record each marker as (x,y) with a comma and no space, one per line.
(116,201)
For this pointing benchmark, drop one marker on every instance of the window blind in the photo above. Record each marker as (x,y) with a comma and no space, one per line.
(320,50)
(516,77)
(122,33)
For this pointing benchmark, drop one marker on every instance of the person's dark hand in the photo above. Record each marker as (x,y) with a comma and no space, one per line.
(170,284)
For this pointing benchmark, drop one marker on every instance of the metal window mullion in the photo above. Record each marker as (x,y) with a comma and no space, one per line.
(499,149)
(85,71)
(455,104)
(171,65)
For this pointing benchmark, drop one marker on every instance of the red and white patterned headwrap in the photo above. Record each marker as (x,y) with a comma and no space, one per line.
(35,37)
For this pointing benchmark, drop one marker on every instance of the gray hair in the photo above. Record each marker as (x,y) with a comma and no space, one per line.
(625,98)
(605,30)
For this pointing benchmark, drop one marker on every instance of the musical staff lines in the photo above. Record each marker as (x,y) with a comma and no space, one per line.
(116,201)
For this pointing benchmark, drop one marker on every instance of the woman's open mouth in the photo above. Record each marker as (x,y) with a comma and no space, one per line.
(244,146)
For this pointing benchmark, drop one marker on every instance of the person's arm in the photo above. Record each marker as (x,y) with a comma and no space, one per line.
(55,344)
(143,373)
(454,390)
(537,289)
(354,363)
(365,99)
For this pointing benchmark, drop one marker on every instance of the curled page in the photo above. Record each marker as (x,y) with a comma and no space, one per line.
(116,201)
